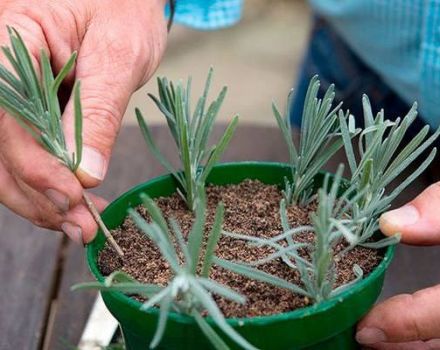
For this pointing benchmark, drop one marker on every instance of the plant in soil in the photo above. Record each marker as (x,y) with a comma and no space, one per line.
(330,224)
(320,140)
(189,291)
(382,158)
(34,103)
(269,250)
(190,132)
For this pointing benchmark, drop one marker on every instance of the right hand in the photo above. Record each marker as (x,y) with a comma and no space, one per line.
(119,46)
(408,321)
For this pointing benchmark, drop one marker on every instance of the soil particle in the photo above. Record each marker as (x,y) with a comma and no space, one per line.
(251,208)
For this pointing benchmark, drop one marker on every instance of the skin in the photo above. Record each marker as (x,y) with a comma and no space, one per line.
(408,321)
(110,66)
(36,186)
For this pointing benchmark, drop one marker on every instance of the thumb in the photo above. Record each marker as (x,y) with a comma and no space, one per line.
(108,78)
(403,318)
(418,221)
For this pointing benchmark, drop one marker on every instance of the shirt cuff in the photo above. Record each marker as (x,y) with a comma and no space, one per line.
(207,14)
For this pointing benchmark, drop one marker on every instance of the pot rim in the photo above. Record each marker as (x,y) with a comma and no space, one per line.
(239,321)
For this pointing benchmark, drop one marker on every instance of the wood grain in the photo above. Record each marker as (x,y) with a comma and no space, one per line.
(28,263)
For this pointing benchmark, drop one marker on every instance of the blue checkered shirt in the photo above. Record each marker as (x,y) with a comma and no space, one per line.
(208,14)
(398,39)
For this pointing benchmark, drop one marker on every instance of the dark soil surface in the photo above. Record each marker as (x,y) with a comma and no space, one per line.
(251,208)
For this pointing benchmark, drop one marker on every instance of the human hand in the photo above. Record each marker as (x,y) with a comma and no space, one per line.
(119,46)
(408,322)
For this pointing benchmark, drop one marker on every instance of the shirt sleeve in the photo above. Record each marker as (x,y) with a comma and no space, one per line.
(207,14)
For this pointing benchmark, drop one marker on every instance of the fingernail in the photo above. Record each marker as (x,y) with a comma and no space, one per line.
(93,163)
(369,336)
(60,200)
(404,216)
(433,344)
(74,232)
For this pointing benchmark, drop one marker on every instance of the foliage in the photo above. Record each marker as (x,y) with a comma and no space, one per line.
(188,292)
(330,224)
(191,133)
(34,103)
(347,211)
(382,158)
(349,215)
(320,139)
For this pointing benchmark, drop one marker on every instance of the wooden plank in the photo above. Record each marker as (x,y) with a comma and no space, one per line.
(28,263)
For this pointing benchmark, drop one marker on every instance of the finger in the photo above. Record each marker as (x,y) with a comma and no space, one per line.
(110,69)
(79,224)
(21,154)
(418,221)
(417,345)
(12,196)
(106,87)
(403,318)
(26,160)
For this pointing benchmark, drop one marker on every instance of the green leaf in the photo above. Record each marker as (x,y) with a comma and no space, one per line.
(152,145)
(180,240)
(159,237)
(214,236)
(78,125)
(258,275)
(220,148)
(213,311)
(210,334)
(156,299)
(165,306)
(385,242)
(195,236)
(284,126)
(126,288)
(155,213)
(346,137)
(219,289)
(64,72)
(33,101)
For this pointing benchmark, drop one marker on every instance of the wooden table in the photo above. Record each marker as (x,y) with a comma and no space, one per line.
(37,267)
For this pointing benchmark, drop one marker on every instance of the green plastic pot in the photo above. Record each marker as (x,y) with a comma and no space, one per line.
(327,326)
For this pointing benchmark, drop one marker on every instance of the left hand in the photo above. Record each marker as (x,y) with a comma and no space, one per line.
(408,321)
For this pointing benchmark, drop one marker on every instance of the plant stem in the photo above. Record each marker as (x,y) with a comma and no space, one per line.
(97,217)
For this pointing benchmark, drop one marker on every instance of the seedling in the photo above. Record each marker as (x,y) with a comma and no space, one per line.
(34,104)
(380,163)
(191,133)
(330,223)
(346,214)
(189,290)
(320,139)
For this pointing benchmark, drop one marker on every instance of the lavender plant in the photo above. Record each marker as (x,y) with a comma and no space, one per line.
(34,104)
(330,224)
(189,291)
(353,216)
(191,133)
(347,210)
(320,139)
(382,158)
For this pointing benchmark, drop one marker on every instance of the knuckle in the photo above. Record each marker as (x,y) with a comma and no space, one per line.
(28,173)
(103,121)
(410,322)
(431,194)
